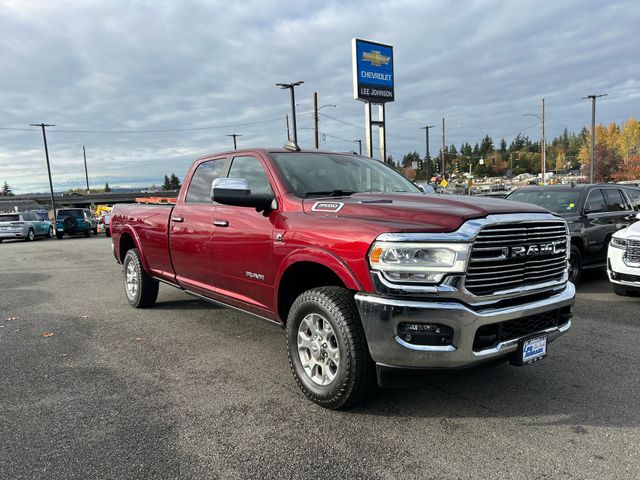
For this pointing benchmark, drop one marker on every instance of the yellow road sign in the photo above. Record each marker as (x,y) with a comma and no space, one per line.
(444,183)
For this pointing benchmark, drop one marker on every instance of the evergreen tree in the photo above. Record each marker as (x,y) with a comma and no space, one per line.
(409,158)
(174,182)
(166,185)
(6,190)
(107,188)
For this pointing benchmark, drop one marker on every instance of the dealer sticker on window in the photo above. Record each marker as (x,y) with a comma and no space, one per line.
(534,349)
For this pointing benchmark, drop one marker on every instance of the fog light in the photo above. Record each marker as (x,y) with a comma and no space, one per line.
(425,333)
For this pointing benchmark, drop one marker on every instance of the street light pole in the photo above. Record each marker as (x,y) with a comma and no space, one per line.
(593,134)
(86,173)
(426,132)
(359,142)
(46,153)
(292,86)
(234,135)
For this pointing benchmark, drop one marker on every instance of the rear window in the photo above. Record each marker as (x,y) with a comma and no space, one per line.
(634,195)
(70,213)
(9,218)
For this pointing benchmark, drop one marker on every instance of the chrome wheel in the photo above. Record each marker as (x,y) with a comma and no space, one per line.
(132,280)
(318,349)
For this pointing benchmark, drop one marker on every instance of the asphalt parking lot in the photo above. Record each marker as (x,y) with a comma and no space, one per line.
(190,390)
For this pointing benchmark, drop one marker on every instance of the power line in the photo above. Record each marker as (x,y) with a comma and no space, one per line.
(168,130)
(341,121)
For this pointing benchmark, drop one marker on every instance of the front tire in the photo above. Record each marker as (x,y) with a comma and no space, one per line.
(327,348)
(141,289)
(575,265)
(94,230)
(59,236)
(107,232)
(31,236)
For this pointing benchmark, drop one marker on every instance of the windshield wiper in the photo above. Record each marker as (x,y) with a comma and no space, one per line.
(330,193)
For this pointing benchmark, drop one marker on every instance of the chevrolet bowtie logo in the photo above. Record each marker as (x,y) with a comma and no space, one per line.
(376,58)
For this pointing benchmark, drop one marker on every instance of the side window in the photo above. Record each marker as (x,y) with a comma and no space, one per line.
(200,186)
(615,200)
(27,217)
(634,195)
(595,202)
(250,169)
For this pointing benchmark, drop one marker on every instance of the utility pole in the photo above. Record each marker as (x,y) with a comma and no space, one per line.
(235,135)
(444,175)
(359,142)
(428,157)
(315,120)
(292,86)
(543,150)
(86,174)
(46,153)
(593,134)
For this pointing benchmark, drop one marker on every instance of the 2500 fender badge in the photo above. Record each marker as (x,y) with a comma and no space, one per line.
(327,207)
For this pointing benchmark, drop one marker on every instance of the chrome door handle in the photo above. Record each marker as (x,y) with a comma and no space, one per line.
(221,223)
(177,219)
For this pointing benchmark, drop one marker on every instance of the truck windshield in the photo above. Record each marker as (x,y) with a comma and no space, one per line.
(9,218)
(559,201)
(316,174)
(70,213)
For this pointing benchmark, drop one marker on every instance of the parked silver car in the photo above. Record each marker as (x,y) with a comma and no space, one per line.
(24,225)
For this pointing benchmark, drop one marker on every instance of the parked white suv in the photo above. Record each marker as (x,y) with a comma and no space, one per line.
(623,260)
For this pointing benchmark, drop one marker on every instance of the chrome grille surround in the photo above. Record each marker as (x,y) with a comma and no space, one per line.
(513,255)
(453,288)
(632,254)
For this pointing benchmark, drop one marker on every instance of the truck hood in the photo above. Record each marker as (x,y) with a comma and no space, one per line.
(417,212)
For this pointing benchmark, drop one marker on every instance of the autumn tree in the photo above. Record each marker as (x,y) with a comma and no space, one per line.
(629,170)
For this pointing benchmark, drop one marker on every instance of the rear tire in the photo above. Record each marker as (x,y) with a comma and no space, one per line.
(107,232)
(94,230)
(50,233)
(87,233)
(140,288)
(327,348)
(575,265)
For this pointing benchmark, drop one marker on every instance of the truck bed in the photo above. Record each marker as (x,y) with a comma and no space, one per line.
(150,223)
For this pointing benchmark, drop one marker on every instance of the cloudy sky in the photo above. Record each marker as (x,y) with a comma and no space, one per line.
(205,69)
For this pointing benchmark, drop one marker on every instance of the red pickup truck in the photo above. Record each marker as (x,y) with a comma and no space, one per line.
(367,274)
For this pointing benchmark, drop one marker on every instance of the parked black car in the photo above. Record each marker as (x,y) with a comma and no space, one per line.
(593,213)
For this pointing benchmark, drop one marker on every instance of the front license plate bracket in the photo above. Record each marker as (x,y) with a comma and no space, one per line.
(530,350)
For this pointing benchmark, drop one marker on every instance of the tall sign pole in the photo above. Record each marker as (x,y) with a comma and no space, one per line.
(592,172)
(86,173)
(427,157)
(373,84)
(46,153)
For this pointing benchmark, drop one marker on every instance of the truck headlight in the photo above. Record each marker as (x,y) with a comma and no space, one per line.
(418,262)
(619,243)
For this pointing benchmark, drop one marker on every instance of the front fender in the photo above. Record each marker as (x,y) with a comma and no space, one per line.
(321,257)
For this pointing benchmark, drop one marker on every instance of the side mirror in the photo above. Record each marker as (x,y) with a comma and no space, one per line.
(235,192)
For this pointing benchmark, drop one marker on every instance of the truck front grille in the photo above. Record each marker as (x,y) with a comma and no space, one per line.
(633,251)
(509,256)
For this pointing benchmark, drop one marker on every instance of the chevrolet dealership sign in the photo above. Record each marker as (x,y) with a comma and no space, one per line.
(372,71)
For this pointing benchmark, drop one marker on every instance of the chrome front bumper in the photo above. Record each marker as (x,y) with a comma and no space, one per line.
(381,316)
